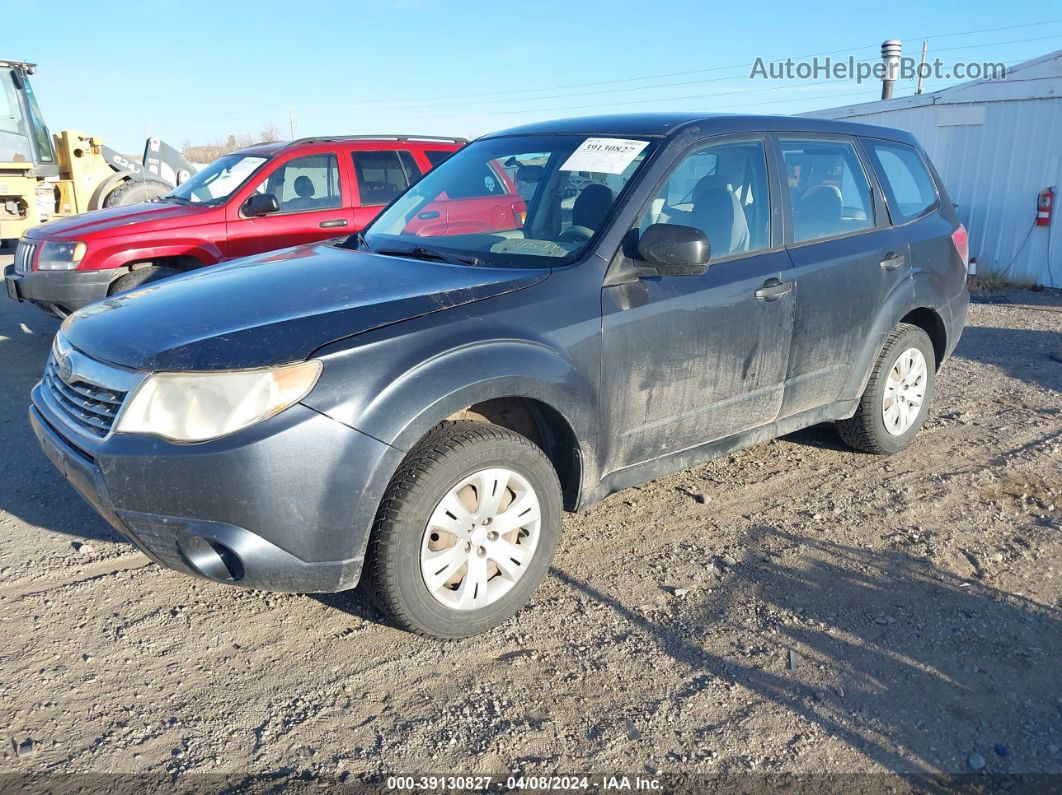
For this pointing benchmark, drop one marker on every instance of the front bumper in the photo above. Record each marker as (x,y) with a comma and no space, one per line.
(65,291)
(286,505)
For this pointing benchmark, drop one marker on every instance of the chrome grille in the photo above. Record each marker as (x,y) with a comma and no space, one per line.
(25,252)
(87,407)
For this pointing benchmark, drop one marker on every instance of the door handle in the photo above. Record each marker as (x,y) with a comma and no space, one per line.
(892,261)
(428,215)
(333,223)
(773,289)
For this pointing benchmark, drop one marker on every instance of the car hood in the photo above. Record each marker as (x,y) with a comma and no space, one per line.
(150,215)
(275,308)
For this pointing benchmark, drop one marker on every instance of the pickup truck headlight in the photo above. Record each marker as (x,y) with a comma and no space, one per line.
(57,256)
(196,407)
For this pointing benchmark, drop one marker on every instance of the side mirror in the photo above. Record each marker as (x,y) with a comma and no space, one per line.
(675,250)
(261,204)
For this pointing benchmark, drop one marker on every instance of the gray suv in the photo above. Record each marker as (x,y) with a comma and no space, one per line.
(413,407)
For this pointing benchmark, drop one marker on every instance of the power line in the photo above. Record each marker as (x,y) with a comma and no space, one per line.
(690,71)
(613,103)
(261,117)
(634,101)
(427,102)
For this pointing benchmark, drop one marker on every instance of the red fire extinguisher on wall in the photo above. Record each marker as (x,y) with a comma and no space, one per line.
(1044,204)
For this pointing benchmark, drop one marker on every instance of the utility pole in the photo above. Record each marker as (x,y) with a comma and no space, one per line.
(922,66)
(291,121)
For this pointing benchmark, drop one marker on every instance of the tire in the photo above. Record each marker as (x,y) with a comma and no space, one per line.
(406,530)
(134,191)
(872,429)
(140,277)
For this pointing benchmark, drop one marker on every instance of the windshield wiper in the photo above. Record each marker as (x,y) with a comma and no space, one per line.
(175,199)
(423,252)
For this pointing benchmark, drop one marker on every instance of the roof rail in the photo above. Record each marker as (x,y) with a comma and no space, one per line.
(329,138)
(29,67)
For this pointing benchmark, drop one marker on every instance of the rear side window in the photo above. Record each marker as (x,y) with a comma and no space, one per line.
(435,156)
(381,175)
(828,190)
(909,188)
(410,165)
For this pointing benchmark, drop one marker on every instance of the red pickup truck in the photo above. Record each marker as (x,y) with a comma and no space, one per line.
(257,199)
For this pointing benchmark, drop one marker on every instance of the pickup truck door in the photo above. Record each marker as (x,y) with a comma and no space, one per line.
(315,203)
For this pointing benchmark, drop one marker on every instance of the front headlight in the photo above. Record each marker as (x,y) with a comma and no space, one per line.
(57,256)
(196,407)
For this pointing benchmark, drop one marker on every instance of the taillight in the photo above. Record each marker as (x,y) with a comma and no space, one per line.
(962,244)
(519,212)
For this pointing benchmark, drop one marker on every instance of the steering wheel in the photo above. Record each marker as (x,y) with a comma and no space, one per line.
(577,234)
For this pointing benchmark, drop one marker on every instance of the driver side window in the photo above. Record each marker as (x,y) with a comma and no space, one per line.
(722,190)
(305,183)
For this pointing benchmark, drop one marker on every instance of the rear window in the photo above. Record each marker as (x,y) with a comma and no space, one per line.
(909,188)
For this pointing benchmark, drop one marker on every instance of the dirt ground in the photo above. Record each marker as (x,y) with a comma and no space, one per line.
(813,611)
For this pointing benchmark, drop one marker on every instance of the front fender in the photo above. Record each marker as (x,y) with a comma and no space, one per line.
(400,409)
(541,373)
(118,254)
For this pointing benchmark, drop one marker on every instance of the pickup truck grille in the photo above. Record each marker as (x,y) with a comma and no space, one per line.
(87,407)
(25,252)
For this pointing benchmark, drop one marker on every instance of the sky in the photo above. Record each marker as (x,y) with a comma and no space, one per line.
(195,72)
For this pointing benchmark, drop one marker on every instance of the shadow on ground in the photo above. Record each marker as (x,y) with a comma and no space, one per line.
(1024,354)
(921,663)
(31,488)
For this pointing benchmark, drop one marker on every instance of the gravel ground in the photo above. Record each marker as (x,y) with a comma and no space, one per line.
(793,608)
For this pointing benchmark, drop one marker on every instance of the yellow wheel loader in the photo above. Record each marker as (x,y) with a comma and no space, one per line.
(44,177)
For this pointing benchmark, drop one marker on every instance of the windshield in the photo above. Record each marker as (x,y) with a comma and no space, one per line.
(524,201)
(218,181)
(43,138)
(14,139)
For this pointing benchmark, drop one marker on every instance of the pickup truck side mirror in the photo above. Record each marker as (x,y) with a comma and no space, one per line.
(675,250)
(260,204)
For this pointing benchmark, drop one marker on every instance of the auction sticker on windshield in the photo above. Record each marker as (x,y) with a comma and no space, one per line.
(604,155)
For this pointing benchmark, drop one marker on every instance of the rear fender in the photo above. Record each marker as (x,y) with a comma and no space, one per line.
(912,293)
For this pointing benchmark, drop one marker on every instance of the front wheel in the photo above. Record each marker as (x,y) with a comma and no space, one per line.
(895,403)
(140,277)
(465,532)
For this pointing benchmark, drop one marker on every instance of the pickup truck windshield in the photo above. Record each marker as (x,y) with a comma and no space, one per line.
(218,181)
(521,201)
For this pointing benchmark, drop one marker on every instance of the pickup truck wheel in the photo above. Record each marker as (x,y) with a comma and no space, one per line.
(140,277)
(895,403)
(465,532)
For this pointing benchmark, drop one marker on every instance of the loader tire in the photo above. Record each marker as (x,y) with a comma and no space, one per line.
(134,191)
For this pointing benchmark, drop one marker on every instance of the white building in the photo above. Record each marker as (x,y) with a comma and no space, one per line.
(997,144)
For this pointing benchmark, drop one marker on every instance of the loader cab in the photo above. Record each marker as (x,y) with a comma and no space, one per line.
(24,137)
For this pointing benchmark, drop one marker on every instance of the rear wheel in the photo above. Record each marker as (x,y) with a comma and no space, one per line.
(140,277)
(465,532)
(895,403)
